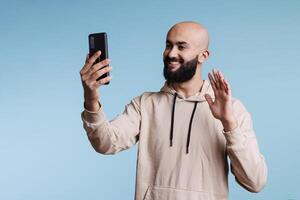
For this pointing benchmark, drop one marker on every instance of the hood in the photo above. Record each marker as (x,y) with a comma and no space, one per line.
(198,97)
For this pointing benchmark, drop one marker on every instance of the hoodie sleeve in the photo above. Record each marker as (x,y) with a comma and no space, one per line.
(110,137)
(247,163)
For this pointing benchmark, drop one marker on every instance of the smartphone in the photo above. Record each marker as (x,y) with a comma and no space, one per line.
(98,41)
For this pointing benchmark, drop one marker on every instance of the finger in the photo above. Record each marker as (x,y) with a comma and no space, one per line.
(93,58)
(90,61)
(208,99)
(95,84)
(83,69)
(96,71)
(99,65)
(86,66)
(222,84)
(212,82)
(100,72)
(228,87)
(103,81)
(217,81)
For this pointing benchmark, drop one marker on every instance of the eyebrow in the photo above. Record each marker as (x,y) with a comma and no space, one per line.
(178,43)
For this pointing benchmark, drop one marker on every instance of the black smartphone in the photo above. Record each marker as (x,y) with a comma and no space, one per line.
(98,41)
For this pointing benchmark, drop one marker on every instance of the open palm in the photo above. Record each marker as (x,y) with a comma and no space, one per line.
(221,107)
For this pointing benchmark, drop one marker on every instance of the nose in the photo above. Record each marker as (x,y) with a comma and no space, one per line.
(172,53)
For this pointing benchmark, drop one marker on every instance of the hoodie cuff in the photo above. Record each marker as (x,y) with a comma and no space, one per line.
(236,140)
(94,117)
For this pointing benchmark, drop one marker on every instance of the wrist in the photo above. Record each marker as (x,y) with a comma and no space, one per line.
(92,105)
(91,96)
(230,124)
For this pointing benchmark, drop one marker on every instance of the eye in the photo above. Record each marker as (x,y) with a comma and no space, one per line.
(168,46)
(181,48)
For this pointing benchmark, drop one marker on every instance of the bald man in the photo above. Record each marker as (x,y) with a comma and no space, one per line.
(186,131)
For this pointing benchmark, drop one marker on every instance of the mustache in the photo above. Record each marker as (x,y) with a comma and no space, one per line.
(173,59)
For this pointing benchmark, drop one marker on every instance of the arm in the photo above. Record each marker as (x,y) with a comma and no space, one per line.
(109,137)
(89,75)
(106,137)
(247,164)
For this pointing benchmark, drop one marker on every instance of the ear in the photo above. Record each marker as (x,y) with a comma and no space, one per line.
(202,57)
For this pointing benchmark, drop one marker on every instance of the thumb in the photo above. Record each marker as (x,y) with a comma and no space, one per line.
(208,99)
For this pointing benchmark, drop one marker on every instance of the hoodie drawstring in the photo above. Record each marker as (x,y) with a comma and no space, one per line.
(190,125)
(190,128)
(172,120)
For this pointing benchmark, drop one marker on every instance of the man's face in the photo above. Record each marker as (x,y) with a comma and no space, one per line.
(180,57)
(185,72)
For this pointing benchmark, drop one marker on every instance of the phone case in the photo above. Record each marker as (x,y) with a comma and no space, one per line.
(98,41)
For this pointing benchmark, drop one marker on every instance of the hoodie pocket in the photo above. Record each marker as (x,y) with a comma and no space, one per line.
(165,193)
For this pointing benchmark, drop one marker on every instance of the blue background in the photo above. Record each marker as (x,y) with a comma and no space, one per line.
(44,151)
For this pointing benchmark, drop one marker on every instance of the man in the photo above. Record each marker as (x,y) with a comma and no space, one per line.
(185,132)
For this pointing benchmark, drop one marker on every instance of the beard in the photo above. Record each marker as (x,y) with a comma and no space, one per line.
(184,73)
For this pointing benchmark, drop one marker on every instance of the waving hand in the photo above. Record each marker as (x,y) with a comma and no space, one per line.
(221,107)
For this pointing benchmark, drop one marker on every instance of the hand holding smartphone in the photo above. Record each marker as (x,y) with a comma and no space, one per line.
(98,41)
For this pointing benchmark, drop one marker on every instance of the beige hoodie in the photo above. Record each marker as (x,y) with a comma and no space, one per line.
(176,162)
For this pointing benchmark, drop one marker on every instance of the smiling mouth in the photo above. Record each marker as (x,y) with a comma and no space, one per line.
(173,64)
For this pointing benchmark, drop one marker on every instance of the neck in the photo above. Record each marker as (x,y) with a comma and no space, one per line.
(191,87)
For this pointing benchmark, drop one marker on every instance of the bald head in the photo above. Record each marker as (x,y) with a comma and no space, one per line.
(186,50)
(192,32)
